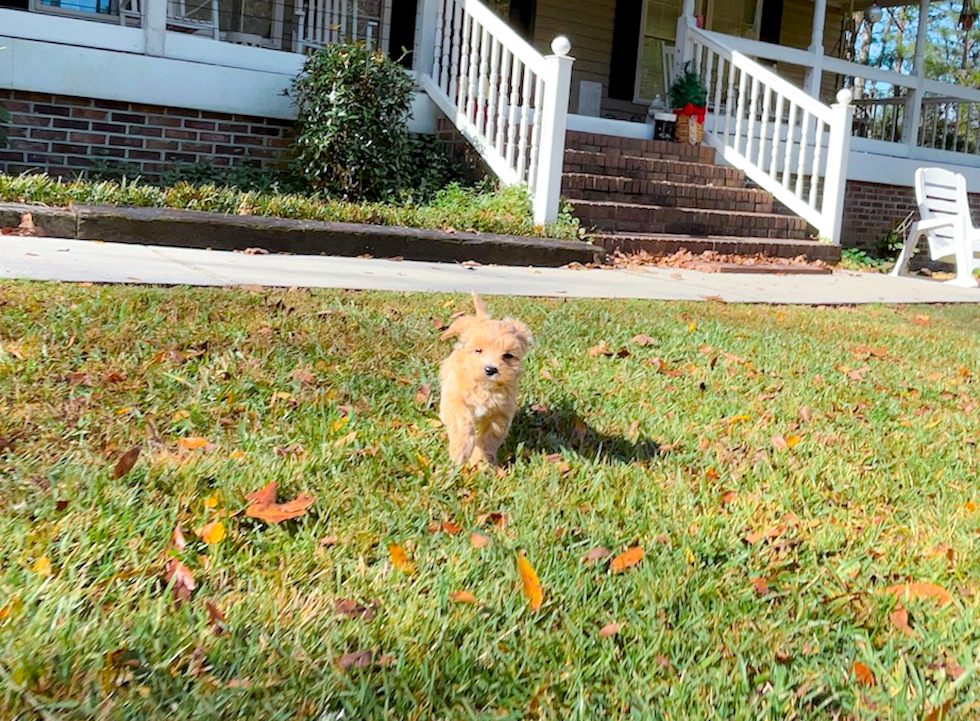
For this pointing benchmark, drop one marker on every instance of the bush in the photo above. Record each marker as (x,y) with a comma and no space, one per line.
(352,136)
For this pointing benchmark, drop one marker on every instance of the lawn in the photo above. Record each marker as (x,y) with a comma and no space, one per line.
(802,483)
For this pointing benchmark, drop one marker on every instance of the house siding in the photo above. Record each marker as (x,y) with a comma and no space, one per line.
(64,136)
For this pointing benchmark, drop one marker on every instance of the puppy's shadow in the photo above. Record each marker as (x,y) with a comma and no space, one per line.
(553,429)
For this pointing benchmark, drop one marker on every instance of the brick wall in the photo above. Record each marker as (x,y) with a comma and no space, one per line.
(872,210)
(63,135)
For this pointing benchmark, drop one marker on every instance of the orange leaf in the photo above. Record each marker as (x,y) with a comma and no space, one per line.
(760,585)
(279,512)
(921,590)
(530,582)
(627,559)
(478,540)
(863,674)
(183,580)
(125,463)
(193,443)
(610,629)
(900,619)
(266,494)
(399,559)
(463,597)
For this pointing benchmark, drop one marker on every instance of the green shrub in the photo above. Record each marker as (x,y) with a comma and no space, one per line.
(352,136)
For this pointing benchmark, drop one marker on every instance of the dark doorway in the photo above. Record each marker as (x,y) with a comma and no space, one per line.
(625,49)
(522,17)
(402,31)
(771,21)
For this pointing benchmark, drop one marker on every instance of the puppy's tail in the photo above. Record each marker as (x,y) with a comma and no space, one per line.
(481,308)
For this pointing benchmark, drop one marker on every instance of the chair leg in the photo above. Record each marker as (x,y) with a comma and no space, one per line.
(964,265)
(906,255)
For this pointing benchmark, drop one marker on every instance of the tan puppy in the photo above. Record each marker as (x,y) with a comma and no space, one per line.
(479,383)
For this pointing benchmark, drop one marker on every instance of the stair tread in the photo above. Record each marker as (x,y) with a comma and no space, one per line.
(754,191)
(628,235)
(711,211)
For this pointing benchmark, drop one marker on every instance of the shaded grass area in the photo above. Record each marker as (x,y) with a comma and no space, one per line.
(479,209)
(780,467)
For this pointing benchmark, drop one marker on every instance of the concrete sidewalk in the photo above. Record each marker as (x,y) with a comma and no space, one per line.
(84,260)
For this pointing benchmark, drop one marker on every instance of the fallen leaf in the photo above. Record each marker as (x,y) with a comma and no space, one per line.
(304,376)
(263,506)
(921,319)
(595,554)
(447,527)
(182,579)
(760,585)
(779,442)
(805,414)
(530,583)
(217,619)
(601,349)
(634,427)
(643,339)
(921,590)
(177,539)
(423,393)
(125,463)
(352,609)
(193,443)
(610,629)
(942,712)
(899,618)
(478,540)
(356,659)
(792,440)
(953,669)
(42,566)
(626,559)
(213,532)
(463,597)
(399,559)
(863,674)
(728,496)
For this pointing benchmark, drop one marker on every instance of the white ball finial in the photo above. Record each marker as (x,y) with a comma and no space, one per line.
(845,96)
(561,46)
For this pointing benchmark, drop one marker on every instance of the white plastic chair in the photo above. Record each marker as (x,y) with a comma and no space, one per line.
(944,218)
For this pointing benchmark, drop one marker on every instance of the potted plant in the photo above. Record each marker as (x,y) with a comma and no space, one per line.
(689,100)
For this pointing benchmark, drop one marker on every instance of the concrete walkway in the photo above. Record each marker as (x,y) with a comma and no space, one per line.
(82,260)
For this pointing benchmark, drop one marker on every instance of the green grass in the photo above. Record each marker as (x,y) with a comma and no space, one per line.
(507,210)
(877,487)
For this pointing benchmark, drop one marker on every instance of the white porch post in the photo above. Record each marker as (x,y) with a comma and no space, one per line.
(913,104)
(551,157)
(155,26)
(814,75)
(684,48)
(424,61)
(835,179)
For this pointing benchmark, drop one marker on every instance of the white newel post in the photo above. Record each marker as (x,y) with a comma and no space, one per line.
(424,61)
(155,26)
(835,179)
(554,117)
(683,45)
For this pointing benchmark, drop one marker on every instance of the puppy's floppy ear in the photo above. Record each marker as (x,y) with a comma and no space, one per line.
(458,326)
(522,333)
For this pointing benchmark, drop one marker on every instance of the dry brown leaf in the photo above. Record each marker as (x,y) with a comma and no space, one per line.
(610,629)
(423,393)
(626,559)
(217,619)
(921,319)
(643,339)
(352,609)
(760,585)
(863,674)
(942,712)
(263,496)
(779,442)
(356,659)
(177,539)
(899,618)
(447,527)
(529,582)
(182,578)
(399,559)
(634,428)
(262,505)
(478,540)
(463,597)
(125,463)
(595,554)
(921,590)
(601,349)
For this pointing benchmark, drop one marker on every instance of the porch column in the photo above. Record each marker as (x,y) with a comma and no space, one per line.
(913,104)
(683,49)
(154,22)
(815,74)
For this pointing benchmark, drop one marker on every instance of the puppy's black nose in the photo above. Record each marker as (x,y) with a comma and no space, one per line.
(490,370)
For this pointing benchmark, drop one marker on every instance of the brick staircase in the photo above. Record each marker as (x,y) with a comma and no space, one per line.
(662,196)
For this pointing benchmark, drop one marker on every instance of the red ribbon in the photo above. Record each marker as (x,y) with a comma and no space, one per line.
(697,112)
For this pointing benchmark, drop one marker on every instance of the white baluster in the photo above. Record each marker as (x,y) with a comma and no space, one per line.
(741,111)
(778,146)
(526,89)
(801,161)
(753,113)
(537,121)
(493,92)
(473,71)
(731,104)
(719,78)
(464,65)
(764,132)
(505,64)
(482,114)
(790,144)
(515,101)
(815,174)
(452,88)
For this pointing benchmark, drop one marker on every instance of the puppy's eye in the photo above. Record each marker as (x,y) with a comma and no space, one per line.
(478,350)
(508,356)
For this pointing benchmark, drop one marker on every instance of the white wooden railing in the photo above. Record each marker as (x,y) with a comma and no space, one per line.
(509,101)
(785,141)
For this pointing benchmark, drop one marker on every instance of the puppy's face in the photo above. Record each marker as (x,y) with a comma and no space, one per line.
(490,351)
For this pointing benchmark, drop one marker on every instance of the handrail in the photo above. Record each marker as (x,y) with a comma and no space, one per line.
(503,96)
(784,140)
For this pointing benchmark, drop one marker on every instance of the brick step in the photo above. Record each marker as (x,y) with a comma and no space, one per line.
(665,193)
(638,218)
(633,166)
(663,149)
(665,244)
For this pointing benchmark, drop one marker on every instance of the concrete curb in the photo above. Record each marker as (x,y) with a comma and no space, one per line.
(198,229)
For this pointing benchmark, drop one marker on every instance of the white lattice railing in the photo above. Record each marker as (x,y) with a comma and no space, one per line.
(785,141)
(509,101)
